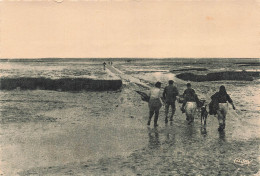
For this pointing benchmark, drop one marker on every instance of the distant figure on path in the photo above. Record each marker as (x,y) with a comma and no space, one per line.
(222,98)
(169,94)
(189,105)
(104,65)
(155,103)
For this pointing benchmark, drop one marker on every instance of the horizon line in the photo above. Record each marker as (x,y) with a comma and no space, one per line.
(136,58)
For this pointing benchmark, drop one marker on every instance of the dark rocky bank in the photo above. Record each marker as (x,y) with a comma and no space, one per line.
(63,84)
(218,76)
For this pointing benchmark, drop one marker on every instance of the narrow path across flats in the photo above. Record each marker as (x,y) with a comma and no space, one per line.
(126,77)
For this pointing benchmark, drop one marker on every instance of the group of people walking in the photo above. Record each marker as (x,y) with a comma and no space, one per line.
(190,103)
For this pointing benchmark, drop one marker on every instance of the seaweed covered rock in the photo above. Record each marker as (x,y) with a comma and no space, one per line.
(192,77)
(64,84)
(218,76)
(243,76)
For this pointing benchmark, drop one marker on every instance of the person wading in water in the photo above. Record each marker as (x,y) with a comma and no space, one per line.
(222,98)
(169,95)
(155,103)
(189,105)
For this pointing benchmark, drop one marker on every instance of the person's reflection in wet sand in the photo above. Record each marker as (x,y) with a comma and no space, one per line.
(222,136)
(190,131)
(171,124)
(169,136)
(154,142)
(203,131)
(188,134)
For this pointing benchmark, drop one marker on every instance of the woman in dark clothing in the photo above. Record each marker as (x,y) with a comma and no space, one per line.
(222,98)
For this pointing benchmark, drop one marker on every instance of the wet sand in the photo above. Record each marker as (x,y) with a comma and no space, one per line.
(105,133)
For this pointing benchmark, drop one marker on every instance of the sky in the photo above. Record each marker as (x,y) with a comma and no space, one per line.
(137,28)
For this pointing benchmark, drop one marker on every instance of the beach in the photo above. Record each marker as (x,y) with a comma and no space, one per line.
(55,132)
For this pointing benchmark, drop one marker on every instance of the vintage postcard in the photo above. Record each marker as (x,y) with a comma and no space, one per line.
(129,87)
